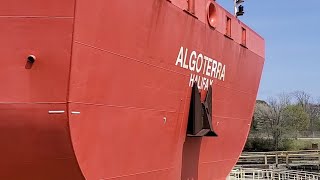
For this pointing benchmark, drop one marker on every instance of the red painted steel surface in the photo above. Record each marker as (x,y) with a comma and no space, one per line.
(111,67)
(36,145)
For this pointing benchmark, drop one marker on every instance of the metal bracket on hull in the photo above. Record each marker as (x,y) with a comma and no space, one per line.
(200,119)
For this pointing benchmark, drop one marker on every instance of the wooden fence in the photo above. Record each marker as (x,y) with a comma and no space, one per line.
(308,157)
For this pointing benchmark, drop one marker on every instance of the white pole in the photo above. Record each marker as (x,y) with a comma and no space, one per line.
(235,7)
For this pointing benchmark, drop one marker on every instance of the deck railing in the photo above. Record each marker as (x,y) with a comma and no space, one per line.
(267,174)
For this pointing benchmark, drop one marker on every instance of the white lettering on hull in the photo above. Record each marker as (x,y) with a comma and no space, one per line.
(205,68)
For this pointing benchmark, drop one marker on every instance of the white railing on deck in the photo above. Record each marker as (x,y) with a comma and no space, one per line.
(269,174)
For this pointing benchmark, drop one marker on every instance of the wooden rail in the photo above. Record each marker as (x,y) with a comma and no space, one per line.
(281,157)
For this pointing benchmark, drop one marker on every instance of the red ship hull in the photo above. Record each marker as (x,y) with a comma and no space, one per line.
(108,96)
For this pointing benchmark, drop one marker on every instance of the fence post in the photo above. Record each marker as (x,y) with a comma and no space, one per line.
(287,159)
(266,159)
(277,160)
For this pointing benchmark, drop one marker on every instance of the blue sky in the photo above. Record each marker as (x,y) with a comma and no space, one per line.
(292,33)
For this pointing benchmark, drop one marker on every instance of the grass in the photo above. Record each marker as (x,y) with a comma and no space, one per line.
(300,144)
(290,144)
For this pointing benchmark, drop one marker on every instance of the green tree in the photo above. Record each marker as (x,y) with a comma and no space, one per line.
(285,116)
(314,115)
(297,119)
(271,117)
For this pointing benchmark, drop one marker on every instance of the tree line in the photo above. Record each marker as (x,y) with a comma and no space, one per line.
(285,117)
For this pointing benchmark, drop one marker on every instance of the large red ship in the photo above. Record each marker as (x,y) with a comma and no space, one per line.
(124,90)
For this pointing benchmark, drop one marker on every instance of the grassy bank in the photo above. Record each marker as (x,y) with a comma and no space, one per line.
(264,144)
